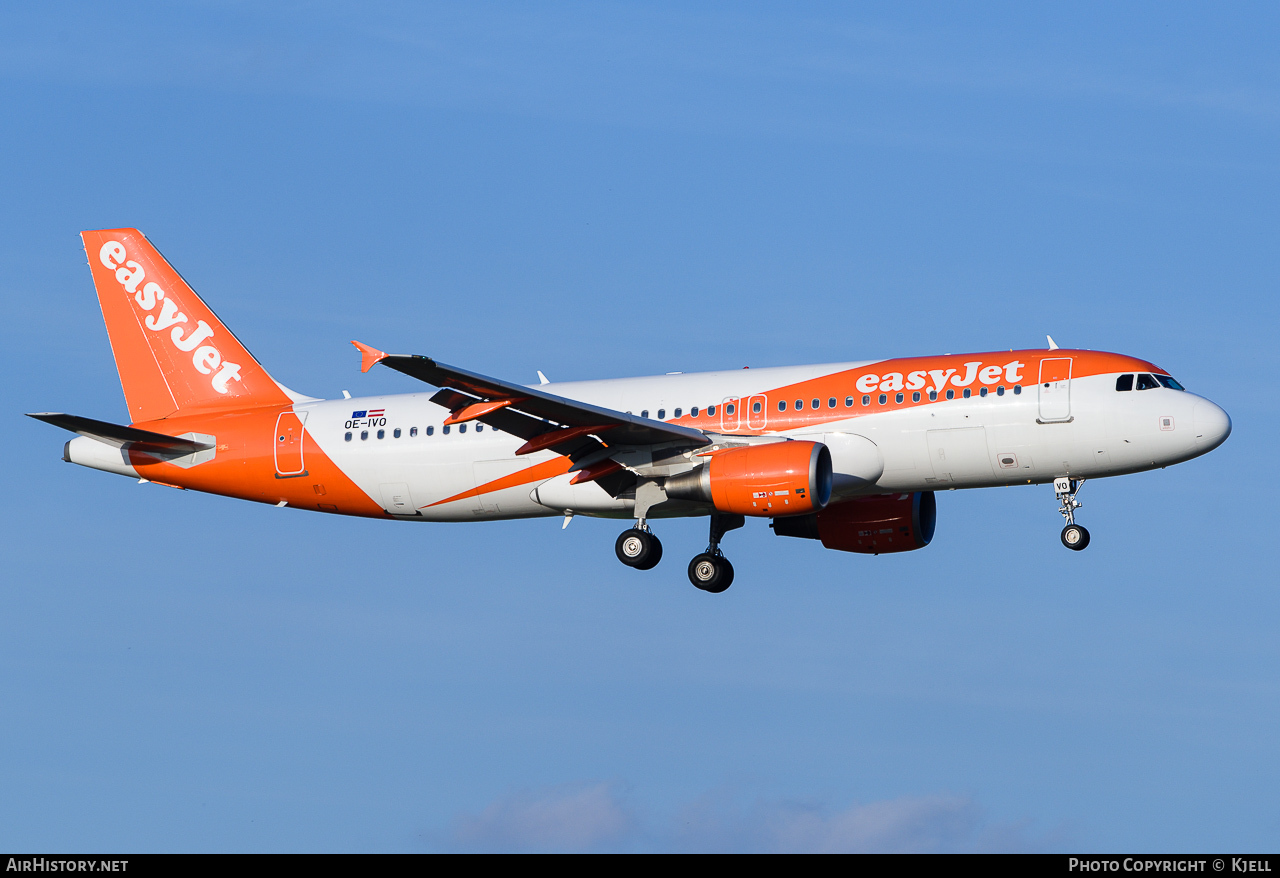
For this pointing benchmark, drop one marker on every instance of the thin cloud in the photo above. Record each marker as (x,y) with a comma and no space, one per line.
(595,817)
(571,818)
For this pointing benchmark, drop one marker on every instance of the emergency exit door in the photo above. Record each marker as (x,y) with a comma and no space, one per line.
(730,416)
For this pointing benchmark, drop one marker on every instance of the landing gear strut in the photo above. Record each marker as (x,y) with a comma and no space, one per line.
(1074,536)
(711,571)
(638,547)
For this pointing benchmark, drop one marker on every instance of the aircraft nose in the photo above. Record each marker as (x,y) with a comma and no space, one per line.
(1212,425)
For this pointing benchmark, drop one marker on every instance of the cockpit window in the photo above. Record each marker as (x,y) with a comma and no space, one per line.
(1147,382)
(1169,382)
(1124,382)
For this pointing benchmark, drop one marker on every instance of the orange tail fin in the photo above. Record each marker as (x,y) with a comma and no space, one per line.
(172,352)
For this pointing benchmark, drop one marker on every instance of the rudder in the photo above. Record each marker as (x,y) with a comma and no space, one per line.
(172,352)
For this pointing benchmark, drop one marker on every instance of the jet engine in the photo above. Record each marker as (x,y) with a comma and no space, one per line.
(870,525)
(775,479)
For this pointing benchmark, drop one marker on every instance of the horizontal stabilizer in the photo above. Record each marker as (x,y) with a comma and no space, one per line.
(119,436)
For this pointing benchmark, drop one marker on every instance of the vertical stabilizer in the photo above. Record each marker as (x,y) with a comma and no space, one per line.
(172,352)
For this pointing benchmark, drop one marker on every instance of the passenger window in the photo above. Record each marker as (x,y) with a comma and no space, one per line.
(782,405)
(915,397)
(831,403)
(693,412)
(677,413)
(1017,388)
(431,431)
(413,431)
(848,402)
(462,428)
(1000,390)
(1169,382)
(644,413)
(817,403)
(951,394)
(662,414)
(1147,382)
(982,392)
(883,398)
(711,411)
(479,428)
(348,437)
(1124,382)
(755,407)
(364,434)
(967,393)
(729,409)
(933,396)
(866,400)
(799,404)
(396,433)
(382,434)
(898,398)
(445,429)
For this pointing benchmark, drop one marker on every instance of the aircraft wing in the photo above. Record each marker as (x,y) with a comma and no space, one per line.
(547,421)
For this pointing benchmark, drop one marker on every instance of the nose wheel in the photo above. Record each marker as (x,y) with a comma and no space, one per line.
(1074,536)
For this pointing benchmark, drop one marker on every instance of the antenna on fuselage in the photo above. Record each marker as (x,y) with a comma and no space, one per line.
(1053,345)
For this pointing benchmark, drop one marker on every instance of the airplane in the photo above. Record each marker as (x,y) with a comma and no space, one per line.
(847,454)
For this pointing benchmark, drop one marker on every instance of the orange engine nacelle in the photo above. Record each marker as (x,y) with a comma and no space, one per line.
(780,478)
(870,525)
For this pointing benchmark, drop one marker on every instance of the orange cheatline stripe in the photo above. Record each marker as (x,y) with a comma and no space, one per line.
(539,472)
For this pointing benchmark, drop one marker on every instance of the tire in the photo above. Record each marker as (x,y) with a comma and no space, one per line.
(711,573)
(639,549)
(1075,537)
(655,554)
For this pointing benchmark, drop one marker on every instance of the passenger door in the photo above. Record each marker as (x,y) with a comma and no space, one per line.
(1055,389)
(288,445)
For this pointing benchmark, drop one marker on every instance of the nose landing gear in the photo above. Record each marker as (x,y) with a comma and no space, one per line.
(1074,536)
(711,571)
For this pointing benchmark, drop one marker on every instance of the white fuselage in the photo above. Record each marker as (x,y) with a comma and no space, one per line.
(981,441)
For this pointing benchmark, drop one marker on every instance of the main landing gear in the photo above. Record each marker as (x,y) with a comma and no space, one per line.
(639,548)
(711,571)
(1074,536)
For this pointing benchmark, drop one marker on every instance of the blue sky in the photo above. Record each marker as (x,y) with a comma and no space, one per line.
(608,190)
